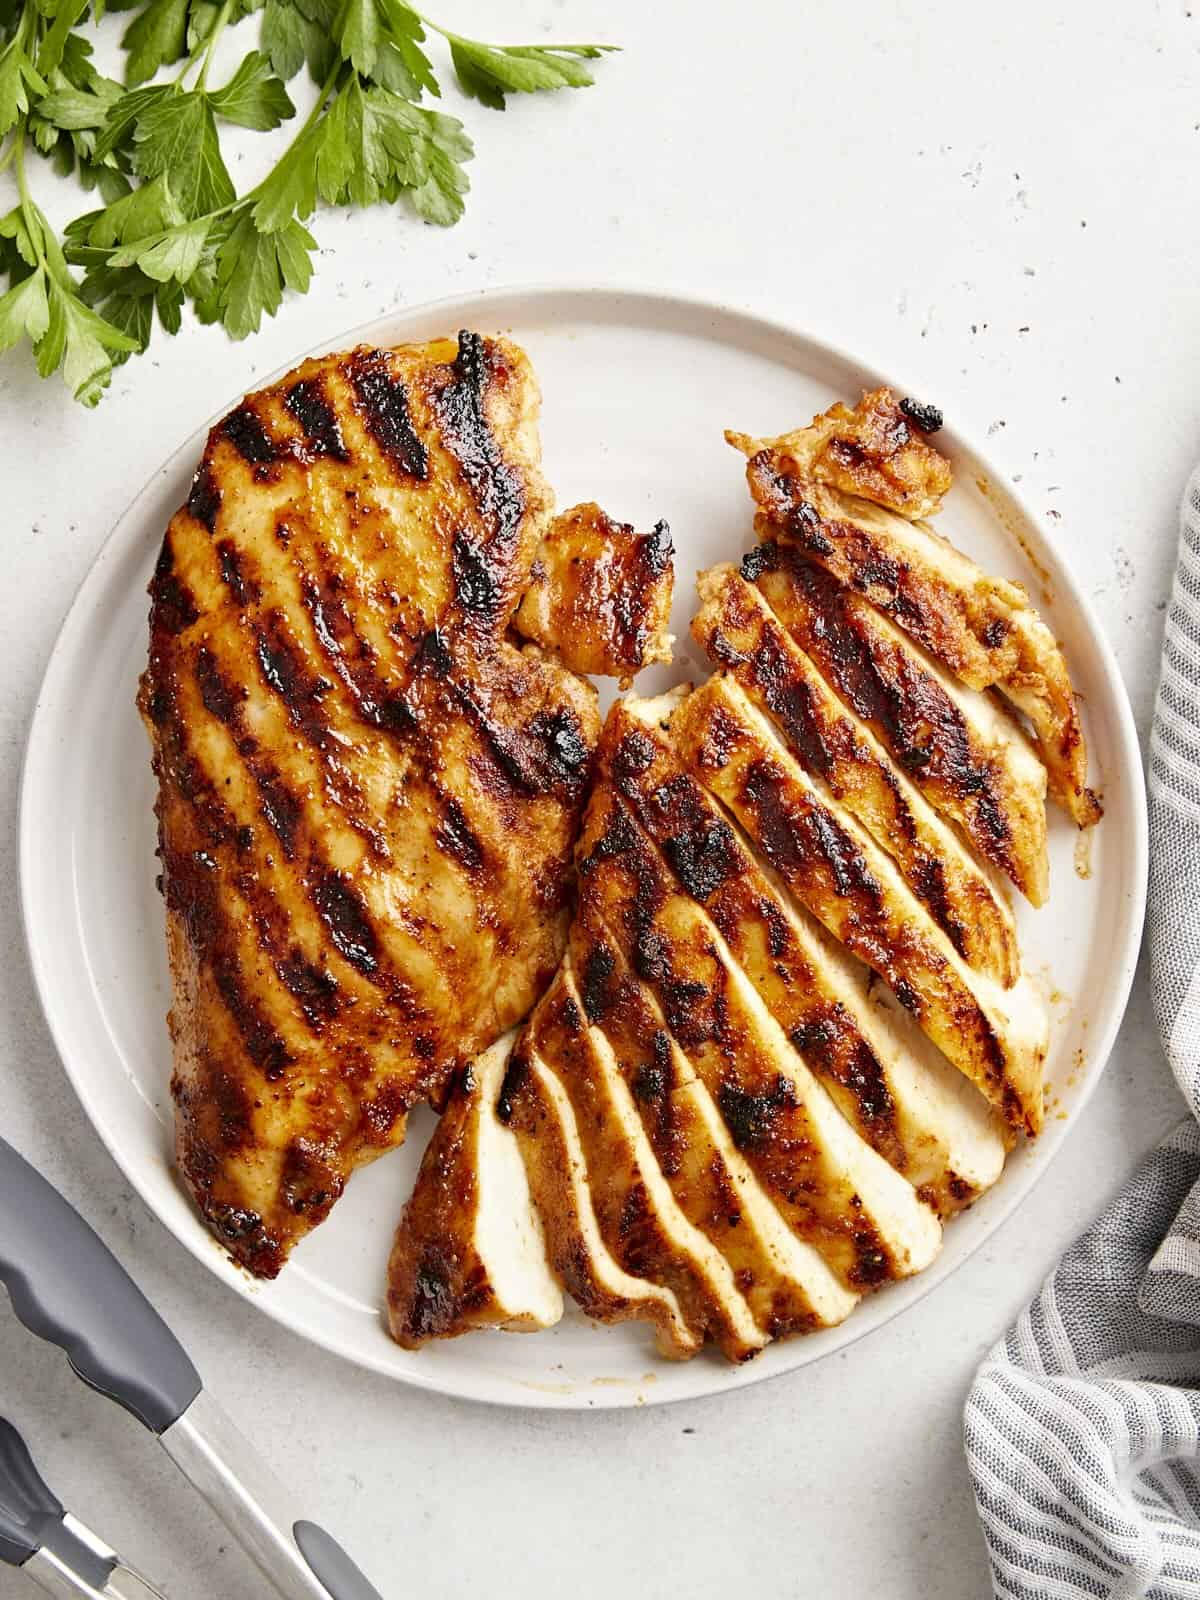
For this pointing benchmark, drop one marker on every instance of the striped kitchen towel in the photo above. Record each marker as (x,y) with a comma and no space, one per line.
(1083,1424)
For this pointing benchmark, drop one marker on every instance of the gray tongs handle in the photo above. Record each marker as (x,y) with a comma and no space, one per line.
(33,1520)
(67,1286)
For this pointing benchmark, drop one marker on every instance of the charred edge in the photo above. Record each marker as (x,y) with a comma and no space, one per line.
(455,836)
(796,840)
(431,1310)
(495,486)
(656,549)
(516,1074)
(247,433)
(594,983)
(872,1262)
(383,408)
(751,1118)
(344,914)
(928,418)
(204,498)
(309,404)
(172,606)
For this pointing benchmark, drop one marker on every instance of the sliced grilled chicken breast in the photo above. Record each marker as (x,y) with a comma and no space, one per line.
(983,628)
(737,630)
(639,1218)
(901,1094)
(875,450)
(469,1251)
(833,1189)
(997,1037)
(534,1103)
(367,796)
(600,594)
(786,1283)
(960,749)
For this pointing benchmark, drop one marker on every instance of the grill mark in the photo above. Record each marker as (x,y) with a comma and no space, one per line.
(309,1184)
(344,914)
(309,404)
(495,486)
(204,497)
(797,838)
(455,836)
(594,983)
(382,405)
(172,606)
(233,567)
(476,586)
(703,858)
(925,730)
(751,1118)
(247,433)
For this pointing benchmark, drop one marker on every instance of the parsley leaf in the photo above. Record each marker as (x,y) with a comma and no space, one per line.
(155,38)
(254,97)
(170,227)
(178,136)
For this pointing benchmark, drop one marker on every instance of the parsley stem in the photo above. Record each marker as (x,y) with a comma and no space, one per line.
(218,28)
(28,209)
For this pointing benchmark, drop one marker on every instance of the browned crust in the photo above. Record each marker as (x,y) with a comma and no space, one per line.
(875,449)
(889,687)
(982,628)
(627,1215)
(437,1285)
(738,631)
(367,797)
(600,594)
(820,858)
(627,887)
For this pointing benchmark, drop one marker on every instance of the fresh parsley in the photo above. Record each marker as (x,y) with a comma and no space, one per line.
(170,227)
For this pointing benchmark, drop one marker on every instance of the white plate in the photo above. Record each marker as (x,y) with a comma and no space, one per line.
(637,388)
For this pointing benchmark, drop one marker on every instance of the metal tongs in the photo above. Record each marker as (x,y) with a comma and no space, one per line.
(40,1537)
(67,1286)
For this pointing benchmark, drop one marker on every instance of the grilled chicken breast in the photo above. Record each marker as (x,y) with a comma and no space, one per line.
(600,594)
(737,630)
(997,1037)
(967,757)
(470,1251)
(857,525)
(367,795)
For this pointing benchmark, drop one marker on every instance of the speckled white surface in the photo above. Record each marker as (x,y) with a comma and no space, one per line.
(997,203)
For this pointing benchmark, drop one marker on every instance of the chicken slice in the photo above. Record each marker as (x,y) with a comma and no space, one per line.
(834,1190)
(899,1092)
(600,594)
(982,628)
(638,1216)
(961,750)
(997,1037)
(875,450)
(469,1251)
(736,629)
(534,1103)
(785,1281)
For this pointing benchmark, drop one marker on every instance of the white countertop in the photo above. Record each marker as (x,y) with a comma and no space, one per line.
(997,203)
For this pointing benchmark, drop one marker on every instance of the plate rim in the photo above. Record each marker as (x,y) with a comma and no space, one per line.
(711,1379)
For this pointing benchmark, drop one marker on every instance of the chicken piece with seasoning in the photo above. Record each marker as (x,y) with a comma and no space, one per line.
(600,594)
